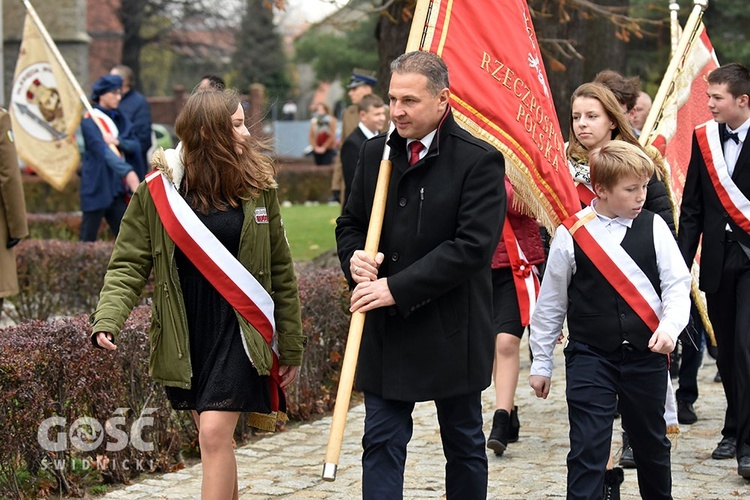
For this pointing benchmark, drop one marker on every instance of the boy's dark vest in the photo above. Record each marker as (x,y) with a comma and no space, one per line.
(597,314)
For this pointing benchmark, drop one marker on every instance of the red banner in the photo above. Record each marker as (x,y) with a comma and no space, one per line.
(685,108)
(500,93)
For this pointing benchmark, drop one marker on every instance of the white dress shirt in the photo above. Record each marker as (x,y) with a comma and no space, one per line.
(552,304)
(369,134)
(732,149)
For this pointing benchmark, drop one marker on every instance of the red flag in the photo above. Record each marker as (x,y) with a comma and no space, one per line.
(683,110)
(500,93)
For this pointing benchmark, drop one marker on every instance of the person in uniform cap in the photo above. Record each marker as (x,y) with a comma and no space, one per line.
(361,84)
(102,171)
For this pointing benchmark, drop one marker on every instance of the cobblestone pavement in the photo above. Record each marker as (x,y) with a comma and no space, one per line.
(288,465)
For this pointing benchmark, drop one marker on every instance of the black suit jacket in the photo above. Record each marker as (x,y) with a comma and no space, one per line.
(349,157)
(442,223)
(703,213)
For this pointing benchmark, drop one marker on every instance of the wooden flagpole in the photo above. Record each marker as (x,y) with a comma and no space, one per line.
(68,74)
(675,30)
(667,84)
(356,326)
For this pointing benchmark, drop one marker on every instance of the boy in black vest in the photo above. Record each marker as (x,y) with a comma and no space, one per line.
(615,270)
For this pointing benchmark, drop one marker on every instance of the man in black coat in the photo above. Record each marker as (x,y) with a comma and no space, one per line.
(428,333)
(716,204)
(371,121)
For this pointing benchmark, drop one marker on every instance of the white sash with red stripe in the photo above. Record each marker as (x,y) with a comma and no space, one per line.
(525,276)
(617,267)
(105,120)
(107,124)
(732,199)
(230,278)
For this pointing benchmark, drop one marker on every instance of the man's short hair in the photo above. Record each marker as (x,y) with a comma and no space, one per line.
(215,82)
(626,90)
(735,75)
(370,101)
(424,63)
(126,73)
(617,160)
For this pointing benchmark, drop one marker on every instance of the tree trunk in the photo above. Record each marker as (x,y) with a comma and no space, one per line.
(131,17)
(392,35)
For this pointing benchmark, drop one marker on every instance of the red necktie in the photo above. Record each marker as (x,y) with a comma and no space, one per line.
(415,148)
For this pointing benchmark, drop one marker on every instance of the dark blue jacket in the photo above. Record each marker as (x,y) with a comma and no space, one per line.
(135,106)
(102,171)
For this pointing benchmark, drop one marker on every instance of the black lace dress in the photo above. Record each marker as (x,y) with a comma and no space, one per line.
(223,378)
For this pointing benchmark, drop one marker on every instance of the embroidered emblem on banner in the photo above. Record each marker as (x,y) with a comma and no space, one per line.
(261,216)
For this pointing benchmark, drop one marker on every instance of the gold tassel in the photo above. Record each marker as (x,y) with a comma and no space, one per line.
(673,431)
(266,421)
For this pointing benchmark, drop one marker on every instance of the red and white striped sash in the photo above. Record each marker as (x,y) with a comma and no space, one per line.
(106,123)
(525,276)
(585,193)
(617,267)
(230,278)
(732,199)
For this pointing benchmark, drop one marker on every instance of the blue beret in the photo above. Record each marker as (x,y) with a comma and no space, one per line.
(361,79)
(105,84)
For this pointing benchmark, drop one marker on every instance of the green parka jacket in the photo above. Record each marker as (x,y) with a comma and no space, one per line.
(143,244)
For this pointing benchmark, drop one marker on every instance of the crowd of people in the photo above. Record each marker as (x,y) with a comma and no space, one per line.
(443,294)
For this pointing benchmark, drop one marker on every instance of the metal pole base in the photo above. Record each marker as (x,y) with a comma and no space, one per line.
(329,471)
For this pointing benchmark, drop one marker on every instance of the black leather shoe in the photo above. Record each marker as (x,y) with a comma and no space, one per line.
(612,481)
(726,449)
(685,413)
(514,426)
(717,377)
(626,459)
(743,467)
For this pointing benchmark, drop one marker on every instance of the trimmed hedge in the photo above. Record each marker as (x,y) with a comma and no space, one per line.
(298,183)
(50,369)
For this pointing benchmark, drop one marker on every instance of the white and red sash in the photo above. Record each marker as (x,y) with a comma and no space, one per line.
(230,278)
(106,123)
(585,193)
(525,276)
(617,267)
(732,199)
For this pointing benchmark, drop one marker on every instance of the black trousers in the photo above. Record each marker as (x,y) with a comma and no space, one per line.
(388,429)
(690,364)
(596,382)
(91,220)
(729,312)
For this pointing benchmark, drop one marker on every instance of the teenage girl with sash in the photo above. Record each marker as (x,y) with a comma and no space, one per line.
(226,335)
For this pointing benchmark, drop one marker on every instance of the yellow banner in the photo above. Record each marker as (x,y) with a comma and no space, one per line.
(45,110)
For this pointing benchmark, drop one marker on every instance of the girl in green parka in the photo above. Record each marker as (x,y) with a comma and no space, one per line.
(209,358)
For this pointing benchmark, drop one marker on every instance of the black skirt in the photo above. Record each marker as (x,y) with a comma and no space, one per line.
(223,378)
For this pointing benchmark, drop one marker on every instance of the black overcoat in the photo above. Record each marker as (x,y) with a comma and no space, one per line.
(442,223)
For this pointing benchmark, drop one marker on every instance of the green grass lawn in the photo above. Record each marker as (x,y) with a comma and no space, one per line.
(310,229)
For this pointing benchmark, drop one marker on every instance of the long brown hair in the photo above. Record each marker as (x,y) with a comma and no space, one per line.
(217,175)
(623,131)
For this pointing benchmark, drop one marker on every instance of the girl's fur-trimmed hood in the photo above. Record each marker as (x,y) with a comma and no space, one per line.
(170,163)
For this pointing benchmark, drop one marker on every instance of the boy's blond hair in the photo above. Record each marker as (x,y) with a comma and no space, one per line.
(616,160)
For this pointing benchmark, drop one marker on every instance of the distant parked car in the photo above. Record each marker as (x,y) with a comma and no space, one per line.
(162,136)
